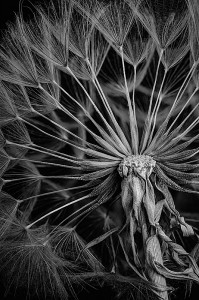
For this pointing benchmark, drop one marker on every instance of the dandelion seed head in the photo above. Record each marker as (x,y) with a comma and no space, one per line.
(98,121)
(141,165)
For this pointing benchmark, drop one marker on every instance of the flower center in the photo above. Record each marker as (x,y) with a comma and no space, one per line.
(139,165)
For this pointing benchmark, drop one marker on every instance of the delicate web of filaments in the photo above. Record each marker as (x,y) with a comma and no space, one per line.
(115,147)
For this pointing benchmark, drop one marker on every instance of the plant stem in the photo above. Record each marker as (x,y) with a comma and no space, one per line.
(138,202)
(157,279)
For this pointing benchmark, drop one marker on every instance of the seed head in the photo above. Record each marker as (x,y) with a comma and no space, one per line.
(89,90)
(139,165)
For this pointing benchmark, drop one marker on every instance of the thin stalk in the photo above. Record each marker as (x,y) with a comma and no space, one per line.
(194,123)
(156,108)
(42,162)
(74,213)
(98,111)
(78,213)
(162,128)
(55,210)
(87,150)
(132,117)
(83,135)
(183,134)
(54,123)
(78,120)
(48,193)
(42,150)
(133,100)
(142,276)
(181,91)
(102,141)
(187,102)
(62,139)
(109,110)
(27,178)
(146,125)
(108,138)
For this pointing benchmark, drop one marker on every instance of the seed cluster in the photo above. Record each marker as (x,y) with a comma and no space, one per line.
(140,165)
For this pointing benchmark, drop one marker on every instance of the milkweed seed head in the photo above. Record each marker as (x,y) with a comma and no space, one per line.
(98,126)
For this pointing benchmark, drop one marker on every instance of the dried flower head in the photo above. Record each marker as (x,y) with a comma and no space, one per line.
(98,125)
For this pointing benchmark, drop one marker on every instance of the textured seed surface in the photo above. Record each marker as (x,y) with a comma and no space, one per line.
(141,165)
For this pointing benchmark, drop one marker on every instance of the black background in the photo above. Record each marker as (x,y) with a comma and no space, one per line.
(8,9)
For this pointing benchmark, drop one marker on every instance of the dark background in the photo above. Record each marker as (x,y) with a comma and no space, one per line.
(8,9)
